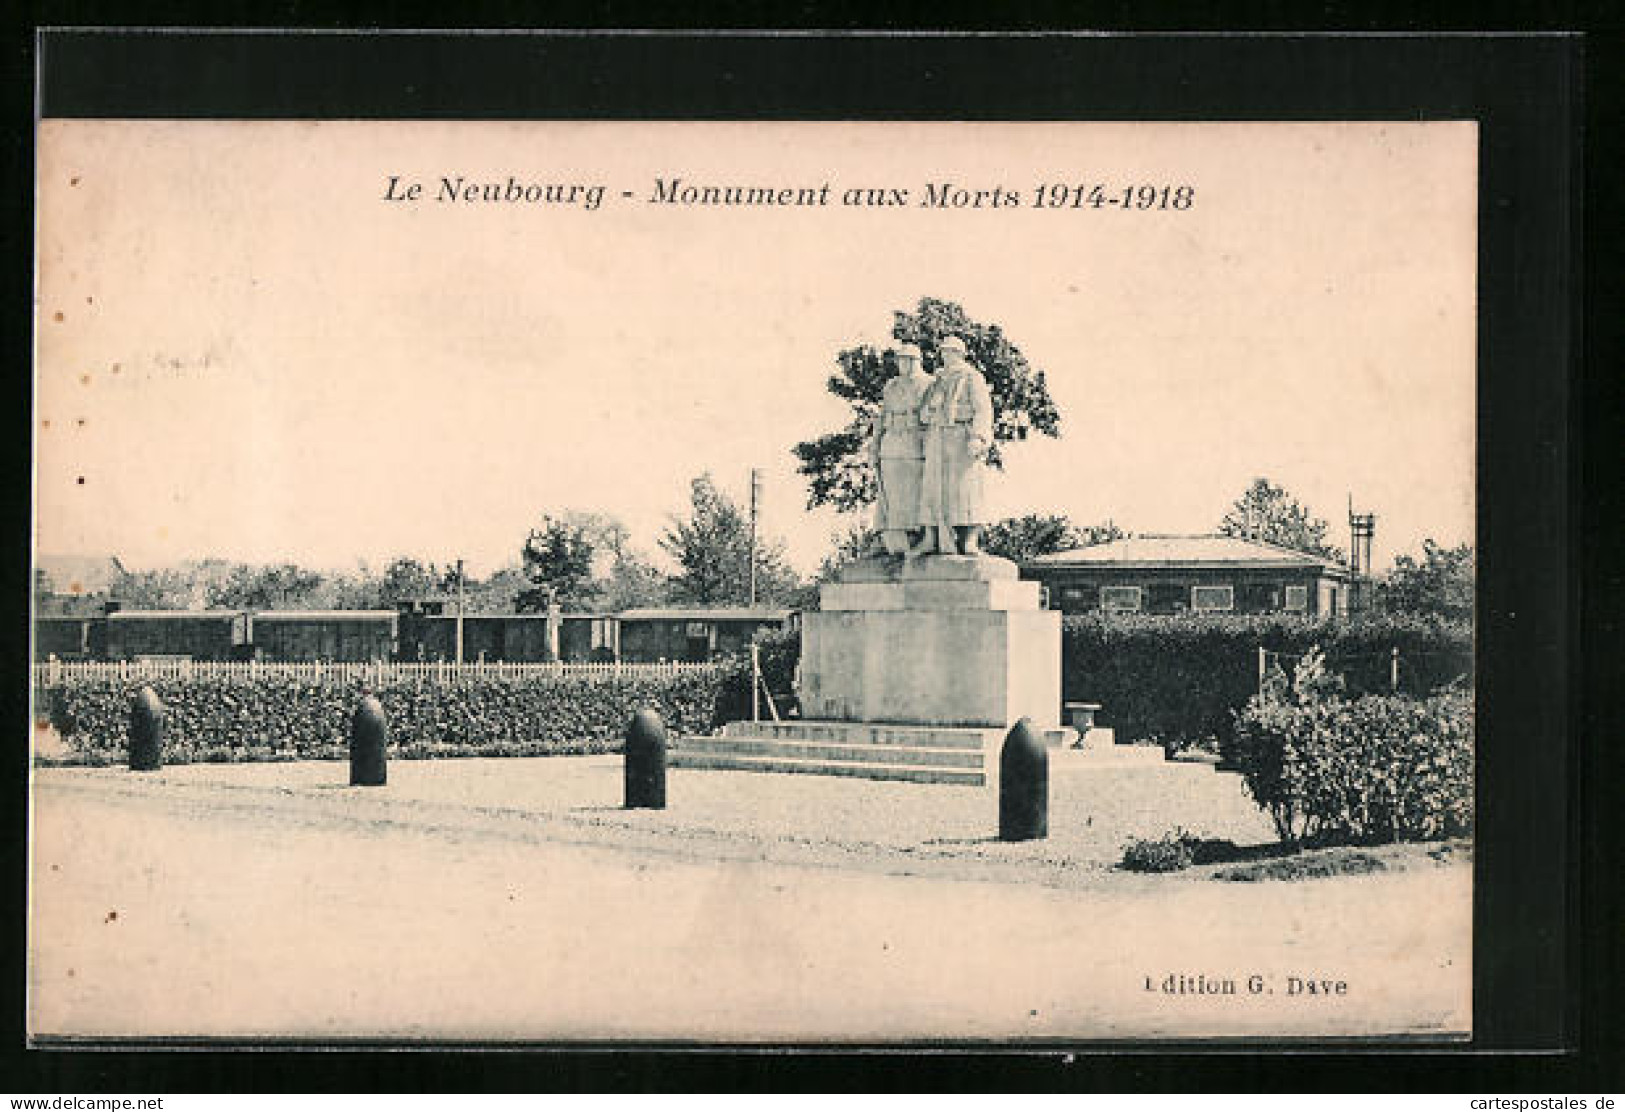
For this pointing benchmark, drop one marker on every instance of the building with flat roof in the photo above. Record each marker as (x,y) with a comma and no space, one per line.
(1200,573)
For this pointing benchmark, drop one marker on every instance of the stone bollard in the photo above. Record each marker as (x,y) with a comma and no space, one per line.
(646,761)
(146,731)
(1023,785)
(369,745)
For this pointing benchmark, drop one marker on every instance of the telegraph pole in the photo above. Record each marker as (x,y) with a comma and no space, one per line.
(755,657)
(459,610)
(755,503)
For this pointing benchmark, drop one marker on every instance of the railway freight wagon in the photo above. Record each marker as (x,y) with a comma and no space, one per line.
(589,637)
(510,638)
(70,638)
(351,636)
(507,638)
(193,634)
(657,634)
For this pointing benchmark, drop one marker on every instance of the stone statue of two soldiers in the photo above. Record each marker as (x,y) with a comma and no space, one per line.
(929,447)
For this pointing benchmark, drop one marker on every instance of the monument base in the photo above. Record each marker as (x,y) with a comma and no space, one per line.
(938,641)
(962,755)
(910,670)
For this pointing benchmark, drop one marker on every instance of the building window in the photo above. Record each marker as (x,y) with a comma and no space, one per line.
(1213,598)
(1120,598)
(1072,599)
(1297,598)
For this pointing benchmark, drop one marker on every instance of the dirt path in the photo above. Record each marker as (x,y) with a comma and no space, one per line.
(203,905)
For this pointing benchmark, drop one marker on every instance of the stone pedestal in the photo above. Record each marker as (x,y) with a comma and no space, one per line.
(936,641)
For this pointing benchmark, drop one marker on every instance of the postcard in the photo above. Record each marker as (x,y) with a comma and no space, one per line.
(742,583)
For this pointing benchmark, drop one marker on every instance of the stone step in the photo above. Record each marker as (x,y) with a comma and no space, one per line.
(862,733)
(1116,756)
(982,738)
(867,770)
(821,751)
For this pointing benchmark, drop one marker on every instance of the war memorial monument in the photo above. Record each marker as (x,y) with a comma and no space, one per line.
(923,654)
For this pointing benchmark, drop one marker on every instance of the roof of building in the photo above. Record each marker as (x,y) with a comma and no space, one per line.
(514,616)
(1203,550)
(79,575)
(706,614)
(207,615)
(325,615)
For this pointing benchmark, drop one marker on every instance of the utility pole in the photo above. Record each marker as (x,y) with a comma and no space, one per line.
(459,610)
(755,503)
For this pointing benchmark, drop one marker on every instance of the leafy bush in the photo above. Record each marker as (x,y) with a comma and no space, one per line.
(1167,854)
(278,717)
(778,654)
(1378,768)
(1178,679)
(1178,849)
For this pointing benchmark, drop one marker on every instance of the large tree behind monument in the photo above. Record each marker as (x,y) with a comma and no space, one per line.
(835,464)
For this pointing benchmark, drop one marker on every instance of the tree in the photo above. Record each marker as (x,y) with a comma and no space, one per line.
(632,582)
(1440,584)
(274,587)
(158,589)
(557,561)
(837,470)
(406,579)
(1266,512)
(712,547)
(498,592)
(847,545)
(1024,538)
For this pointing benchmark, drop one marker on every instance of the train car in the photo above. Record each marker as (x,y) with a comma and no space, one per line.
(677,633)
(186,634)
(345,636)
(512,638)
(70,638)
(589,637)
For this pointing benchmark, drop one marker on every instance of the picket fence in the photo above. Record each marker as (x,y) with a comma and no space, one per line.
(51,672)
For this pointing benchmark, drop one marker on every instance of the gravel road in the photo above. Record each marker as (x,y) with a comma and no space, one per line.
(491,899)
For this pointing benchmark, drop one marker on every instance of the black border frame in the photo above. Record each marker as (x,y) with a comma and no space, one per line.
(1526,93)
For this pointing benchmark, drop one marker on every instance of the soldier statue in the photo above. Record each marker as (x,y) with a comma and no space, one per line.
(897,452)
(956,414)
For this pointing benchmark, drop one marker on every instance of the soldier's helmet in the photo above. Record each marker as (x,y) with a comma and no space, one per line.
(953,343)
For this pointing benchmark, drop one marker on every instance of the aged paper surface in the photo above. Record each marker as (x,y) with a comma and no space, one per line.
(324,342)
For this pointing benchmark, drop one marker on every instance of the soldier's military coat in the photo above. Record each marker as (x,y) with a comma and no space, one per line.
(957,413)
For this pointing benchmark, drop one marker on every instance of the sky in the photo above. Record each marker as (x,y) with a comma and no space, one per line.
(246,349)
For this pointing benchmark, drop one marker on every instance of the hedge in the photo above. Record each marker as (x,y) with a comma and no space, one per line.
(272,717)
(1178,680)
(1379,768)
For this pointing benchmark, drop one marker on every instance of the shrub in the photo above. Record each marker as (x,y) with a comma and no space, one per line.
(1178,679)
(1378,768)
(1167,854)
(280,717)
(778,654)
(1315,866)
